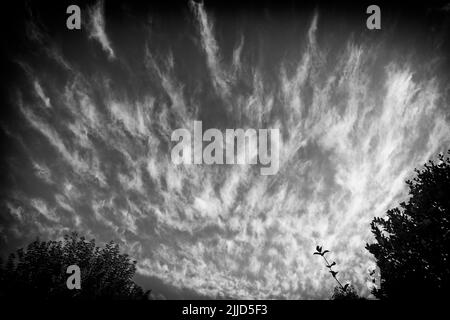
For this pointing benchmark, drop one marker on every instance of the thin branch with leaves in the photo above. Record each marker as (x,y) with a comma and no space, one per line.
(330,266)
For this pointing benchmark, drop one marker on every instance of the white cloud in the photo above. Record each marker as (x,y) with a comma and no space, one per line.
(97,28)
(211,48)
(41,94)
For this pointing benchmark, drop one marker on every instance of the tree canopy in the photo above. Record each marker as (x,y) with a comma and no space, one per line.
(412,247)
(39,271)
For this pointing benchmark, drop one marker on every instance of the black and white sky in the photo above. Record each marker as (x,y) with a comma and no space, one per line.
(87,116)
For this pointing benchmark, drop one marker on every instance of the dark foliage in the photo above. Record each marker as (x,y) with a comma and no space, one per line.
(412,245)
(39,272)
(347,293)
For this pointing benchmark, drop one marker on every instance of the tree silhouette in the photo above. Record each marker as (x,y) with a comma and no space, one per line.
(412,245)
(40,271)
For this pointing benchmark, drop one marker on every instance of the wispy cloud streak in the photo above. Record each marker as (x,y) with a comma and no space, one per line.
(97,28)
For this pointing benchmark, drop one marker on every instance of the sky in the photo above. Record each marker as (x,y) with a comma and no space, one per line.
(88,114)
